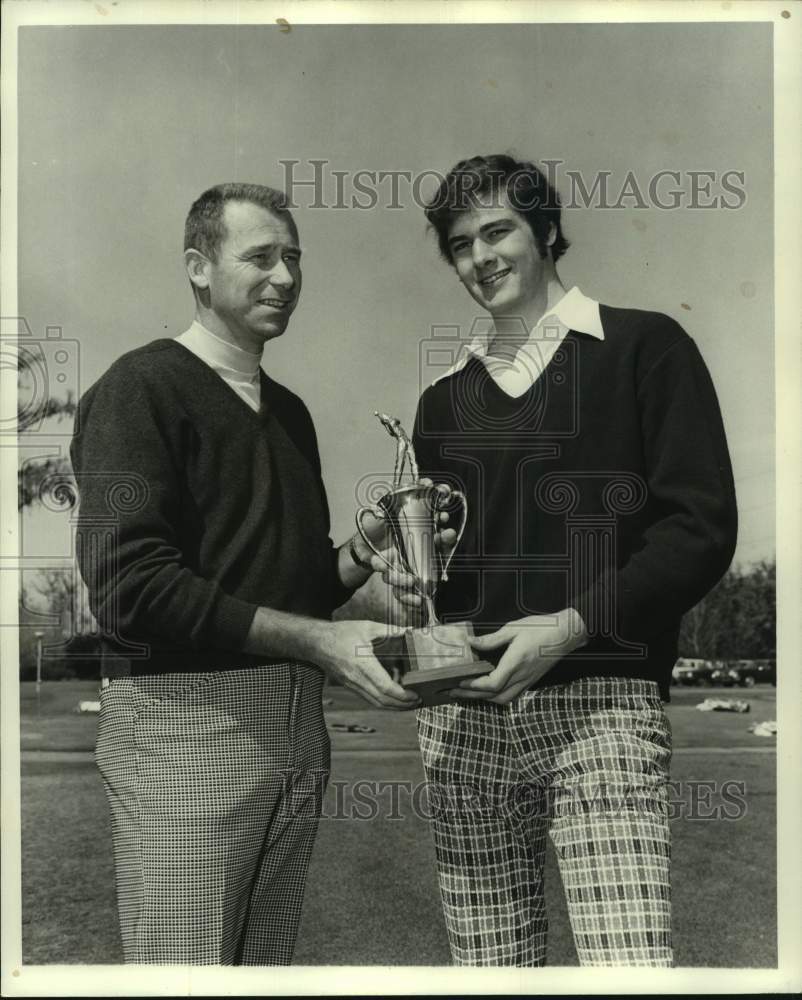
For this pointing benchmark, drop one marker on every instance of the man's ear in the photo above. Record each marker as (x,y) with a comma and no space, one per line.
(197,268)
(552,236)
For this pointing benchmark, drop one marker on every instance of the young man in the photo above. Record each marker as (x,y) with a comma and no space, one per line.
(203,540)
(589,443)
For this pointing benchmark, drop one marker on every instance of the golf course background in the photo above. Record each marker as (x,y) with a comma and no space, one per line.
(372,896)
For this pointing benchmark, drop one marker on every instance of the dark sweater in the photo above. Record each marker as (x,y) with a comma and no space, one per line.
(195,510)
(606,487)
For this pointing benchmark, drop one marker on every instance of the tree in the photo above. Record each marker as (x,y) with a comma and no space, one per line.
(32,477)
(59,592)
(736,620)
(695,631)
(33,407)
(71,648)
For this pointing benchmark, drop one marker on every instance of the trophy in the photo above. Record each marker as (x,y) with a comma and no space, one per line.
(437,657)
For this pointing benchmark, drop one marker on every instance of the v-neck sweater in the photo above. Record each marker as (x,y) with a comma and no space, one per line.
(606,487)
(209,510)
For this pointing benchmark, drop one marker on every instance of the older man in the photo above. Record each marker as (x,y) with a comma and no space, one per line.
(215,595)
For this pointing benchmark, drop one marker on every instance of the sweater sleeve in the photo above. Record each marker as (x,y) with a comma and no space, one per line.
(690,544)
(140,588)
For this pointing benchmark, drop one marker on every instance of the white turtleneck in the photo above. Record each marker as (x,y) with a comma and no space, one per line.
(237,367)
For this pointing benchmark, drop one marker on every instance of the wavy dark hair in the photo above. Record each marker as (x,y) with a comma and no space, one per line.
(473,183)
(205,228)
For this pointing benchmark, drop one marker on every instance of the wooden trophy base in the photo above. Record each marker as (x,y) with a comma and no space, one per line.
(434,661)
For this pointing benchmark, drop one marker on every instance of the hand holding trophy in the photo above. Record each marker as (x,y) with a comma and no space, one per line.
(439,656)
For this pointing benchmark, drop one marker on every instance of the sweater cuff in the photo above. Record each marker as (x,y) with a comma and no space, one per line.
(339,593)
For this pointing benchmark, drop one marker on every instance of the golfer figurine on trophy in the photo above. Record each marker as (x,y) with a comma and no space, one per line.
(439,656)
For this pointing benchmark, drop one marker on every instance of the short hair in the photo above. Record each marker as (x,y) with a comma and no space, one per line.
(205,228)
(527,190)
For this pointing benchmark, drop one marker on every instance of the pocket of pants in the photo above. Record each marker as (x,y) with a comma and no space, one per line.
(158,688)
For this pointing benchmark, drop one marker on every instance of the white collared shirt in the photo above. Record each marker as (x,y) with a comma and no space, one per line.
(574,311)
(238,368)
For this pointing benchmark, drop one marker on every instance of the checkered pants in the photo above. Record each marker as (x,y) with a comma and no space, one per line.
(586,762)
(215,784)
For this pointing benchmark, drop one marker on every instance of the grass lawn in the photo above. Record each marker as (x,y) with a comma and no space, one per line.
(372,894)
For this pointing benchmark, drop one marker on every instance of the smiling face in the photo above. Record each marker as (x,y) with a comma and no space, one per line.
(497,259)
(252,288)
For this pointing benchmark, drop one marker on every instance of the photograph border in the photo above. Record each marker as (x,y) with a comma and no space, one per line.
(22,980)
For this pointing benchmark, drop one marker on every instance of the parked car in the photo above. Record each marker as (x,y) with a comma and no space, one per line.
(767,672)
(746,673)
(726,676)
(689,672)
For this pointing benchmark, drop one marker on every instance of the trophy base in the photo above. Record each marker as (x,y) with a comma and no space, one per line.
(434,660)
(434,686)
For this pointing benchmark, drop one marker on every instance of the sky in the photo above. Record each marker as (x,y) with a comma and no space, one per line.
(121,128)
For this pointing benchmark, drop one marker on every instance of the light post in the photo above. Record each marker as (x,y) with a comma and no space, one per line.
(39,637)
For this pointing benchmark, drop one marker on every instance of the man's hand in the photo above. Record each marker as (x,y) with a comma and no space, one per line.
(534,646)
(403,584)
(343,649)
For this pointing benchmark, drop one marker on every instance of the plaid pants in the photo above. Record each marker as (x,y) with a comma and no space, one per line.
(215,784)
(585,761)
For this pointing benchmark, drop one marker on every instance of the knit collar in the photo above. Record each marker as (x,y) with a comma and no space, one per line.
(574,311)
(219,354)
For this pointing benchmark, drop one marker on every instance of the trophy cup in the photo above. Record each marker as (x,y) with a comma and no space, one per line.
(437,656)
